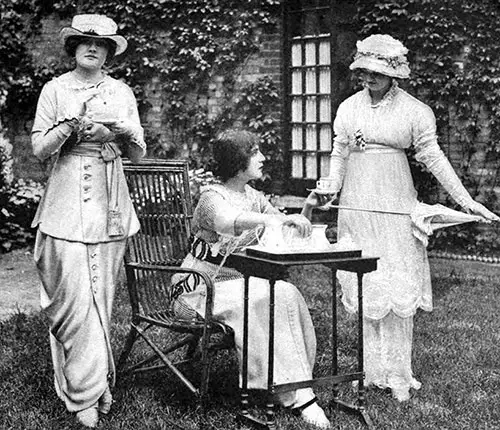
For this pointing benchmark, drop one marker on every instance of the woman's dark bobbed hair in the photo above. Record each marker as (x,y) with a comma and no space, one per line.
(73,41)
(232,151)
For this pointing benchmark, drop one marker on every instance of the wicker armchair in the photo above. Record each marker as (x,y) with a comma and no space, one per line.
(160,193)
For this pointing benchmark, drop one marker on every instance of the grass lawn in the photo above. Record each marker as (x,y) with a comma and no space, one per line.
(456,357)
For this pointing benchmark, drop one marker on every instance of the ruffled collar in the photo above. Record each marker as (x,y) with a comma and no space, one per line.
(387,99)
(69,80)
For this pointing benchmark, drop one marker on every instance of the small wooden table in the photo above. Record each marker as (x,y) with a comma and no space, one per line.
(274,270)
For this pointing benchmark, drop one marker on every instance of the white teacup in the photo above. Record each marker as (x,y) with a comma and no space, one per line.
(325,184)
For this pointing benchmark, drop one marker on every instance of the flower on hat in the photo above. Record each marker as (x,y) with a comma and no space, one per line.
(383,54)
(97,26)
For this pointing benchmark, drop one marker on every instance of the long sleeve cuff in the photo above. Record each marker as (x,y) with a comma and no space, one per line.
(132,133)
(337,171)
(48,143)
(441,168)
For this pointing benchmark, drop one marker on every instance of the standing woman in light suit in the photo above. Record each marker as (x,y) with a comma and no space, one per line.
(368,162)
(85,121)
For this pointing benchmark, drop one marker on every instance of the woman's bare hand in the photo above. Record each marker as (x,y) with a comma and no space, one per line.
(320,200)
(300,223)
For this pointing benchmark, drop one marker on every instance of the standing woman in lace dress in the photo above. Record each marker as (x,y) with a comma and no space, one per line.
(372,130)
(85,121)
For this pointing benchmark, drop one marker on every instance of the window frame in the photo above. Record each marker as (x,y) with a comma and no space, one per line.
(299,186)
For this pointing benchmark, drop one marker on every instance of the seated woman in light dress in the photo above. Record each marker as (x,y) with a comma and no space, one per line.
(230,208)
(369,165)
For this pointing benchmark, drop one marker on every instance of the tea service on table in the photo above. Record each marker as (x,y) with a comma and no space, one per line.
(287,238)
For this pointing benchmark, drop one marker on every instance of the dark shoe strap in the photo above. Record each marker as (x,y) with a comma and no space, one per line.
(299,409)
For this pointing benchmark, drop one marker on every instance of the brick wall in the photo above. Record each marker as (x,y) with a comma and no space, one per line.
(266,62)
(45,48)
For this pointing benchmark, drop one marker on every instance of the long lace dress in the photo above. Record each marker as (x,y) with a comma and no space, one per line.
(295,341)
(369,164)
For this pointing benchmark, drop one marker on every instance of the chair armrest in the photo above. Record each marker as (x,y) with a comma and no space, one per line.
(179,270)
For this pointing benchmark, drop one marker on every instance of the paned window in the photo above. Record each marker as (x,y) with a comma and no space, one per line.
(308,88)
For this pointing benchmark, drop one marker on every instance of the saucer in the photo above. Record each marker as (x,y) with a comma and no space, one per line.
(321,191)
(106,121)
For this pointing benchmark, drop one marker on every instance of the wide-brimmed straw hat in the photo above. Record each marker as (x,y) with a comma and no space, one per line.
(383,54)
(93,25)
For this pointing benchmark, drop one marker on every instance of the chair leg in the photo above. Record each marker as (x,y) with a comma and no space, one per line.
(193,349)
(129,343)
(188,340)
(168,362)
(205,366)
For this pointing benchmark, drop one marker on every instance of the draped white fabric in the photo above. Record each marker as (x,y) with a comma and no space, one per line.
(77,298)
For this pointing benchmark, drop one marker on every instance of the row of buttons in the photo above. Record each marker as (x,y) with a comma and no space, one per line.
(94,266)
(86,187)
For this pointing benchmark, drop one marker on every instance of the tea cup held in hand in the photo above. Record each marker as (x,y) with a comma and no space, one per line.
(324,194)
(325,186)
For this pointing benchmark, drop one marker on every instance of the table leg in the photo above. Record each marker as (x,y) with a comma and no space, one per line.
(361,384)
(270,419)
(335,389)
(244,365)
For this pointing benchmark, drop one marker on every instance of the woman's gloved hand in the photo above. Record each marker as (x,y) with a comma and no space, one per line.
(477,208)
(78,105)
(90,131)
(122,128)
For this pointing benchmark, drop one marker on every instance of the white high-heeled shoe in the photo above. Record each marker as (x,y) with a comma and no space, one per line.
(314,415)
(88,417)
(105,402)
(401,394)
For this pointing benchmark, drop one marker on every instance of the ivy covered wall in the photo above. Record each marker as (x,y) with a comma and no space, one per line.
(195,66)
(198,65)
(454,46)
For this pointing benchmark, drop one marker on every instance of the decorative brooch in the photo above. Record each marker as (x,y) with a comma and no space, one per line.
(360,140)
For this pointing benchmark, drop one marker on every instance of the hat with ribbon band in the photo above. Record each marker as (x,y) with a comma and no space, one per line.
(95,26)
(383,54)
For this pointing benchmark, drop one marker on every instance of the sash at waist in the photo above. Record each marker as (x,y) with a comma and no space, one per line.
(378,148)
(108,151)
(86,149)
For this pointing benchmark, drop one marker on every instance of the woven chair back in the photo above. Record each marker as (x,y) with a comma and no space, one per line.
(160,193)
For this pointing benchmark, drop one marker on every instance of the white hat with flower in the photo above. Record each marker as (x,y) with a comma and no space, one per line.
(96,26)
(383,54)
